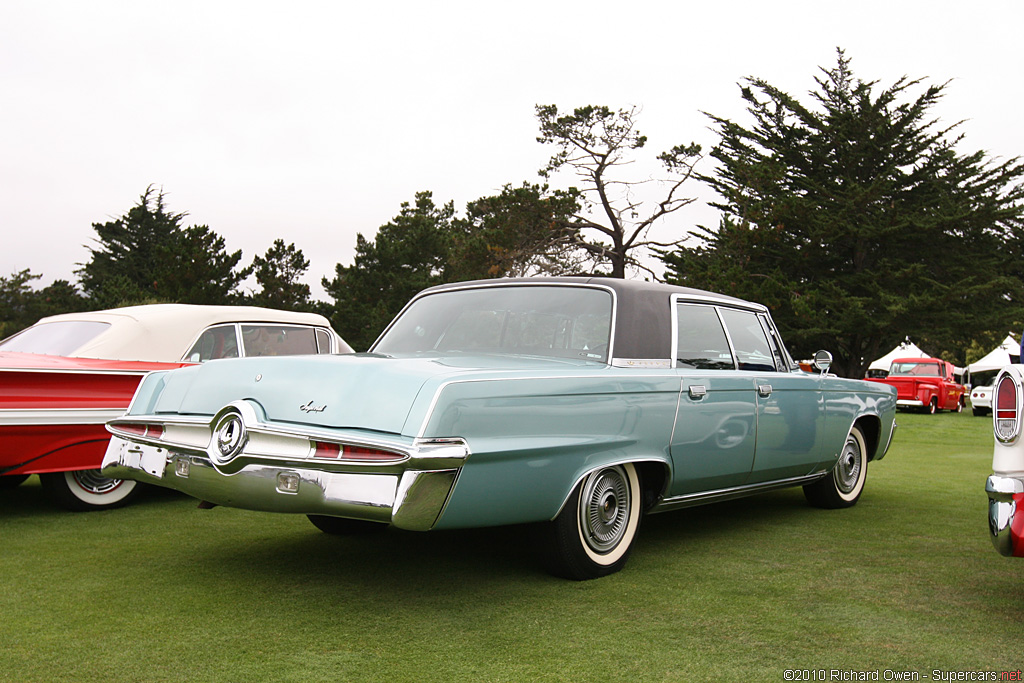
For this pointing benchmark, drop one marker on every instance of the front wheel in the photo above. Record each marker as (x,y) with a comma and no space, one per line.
(85,490)
(593,534)
(842,488)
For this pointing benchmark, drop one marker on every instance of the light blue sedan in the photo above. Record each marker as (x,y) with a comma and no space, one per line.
(583,403)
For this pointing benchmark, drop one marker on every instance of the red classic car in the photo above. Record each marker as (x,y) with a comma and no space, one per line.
(64,377)
(925,384)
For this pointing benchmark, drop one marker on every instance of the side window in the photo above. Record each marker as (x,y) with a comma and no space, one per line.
(701,342)
(278,340)
(781,357)
(752,348)
(215,342)
(323,341)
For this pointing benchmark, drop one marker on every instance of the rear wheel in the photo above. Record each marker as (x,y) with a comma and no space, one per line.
(593,534)
(85,490)
(342,526)
(842,488)
(933,406)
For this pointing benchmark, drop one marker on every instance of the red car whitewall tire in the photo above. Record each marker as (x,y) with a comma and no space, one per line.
(85,490)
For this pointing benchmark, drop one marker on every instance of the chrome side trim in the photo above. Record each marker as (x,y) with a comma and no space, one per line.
(702,497)
(892,434)
(718,301)
(58,416)
(651,363)
(89,371)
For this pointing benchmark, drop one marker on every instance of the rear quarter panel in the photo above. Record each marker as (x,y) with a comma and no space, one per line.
(851,400)
(532,438)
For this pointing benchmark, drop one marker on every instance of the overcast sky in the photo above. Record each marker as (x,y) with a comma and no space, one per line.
(313,121)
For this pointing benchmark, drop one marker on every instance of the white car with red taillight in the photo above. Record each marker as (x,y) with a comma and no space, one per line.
(1006,485)
(981,400)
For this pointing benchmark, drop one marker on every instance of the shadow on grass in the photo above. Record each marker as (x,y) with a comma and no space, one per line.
(25,501)
(301,554)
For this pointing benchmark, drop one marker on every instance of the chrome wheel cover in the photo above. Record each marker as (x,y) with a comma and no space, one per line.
(604,509)
(848,469)
(94,482)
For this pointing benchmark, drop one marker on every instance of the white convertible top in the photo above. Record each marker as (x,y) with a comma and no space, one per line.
(165,332)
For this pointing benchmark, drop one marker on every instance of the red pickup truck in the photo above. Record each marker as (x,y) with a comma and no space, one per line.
(925,383)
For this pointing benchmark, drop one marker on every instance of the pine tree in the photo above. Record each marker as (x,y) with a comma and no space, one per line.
(859,222)
(279,273)
(147,256)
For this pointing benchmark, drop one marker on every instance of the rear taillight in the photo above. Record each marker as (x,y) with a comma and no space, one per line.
(1006,409)
(326,449)
(360,453)
(138,429)
(323,449)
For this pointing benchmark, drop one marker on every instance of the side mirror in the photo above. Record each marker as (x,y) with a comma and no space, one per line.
(822,361)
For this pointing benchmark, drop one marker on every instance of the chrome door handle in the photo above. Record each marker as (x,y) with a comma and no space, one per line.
(698,391)
(764,390)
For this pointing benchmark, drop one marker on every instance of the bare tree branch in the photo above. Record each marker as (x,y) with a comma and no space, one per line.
(592,141)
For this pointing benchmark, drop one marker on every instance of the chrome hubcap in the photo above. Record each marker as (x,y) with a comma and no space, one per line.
(848,469)
(94,482)
(604,509)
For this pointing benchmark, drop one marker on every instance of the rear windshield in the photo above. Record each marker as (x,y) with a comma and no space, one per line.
(279,340)
(564,322)
(56,338)
(915,370)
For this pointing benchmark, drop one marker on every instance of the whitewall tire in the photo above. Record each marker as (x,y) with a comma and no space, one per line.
(843,486)
(85,490)
(593,534)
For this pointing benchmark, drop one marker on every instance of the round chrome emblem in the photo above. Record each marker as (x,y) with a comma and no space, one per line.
(230,436)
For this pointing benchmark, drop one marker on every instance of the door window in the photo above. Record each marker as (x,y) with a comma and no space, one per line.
(701,343)
(753,351)
(215,342)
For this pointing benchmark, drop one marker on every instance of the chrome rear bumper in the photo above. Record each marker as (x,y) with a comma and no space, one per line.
(910,403)
(411,495)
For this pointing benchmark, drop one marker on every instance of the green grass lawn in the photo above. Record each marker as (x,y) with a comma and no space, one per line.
(162,591)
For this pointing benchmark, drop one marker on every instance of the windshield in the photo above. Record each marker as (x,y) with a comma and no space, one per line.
(54,339)
(932,369)
(558,321)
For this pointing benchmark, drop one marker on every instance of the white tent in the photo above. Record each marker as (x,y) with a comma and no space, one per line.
(1006,353)
(906,349)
